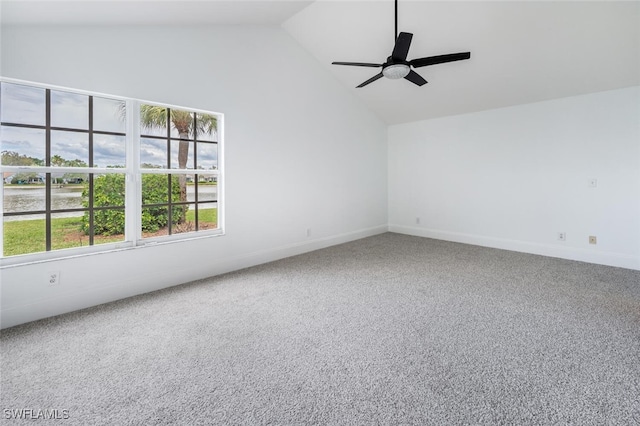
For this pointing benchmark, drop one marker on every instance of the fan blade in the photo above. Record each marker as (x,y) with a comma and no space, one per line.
(440,59)
(415,78)
(371,80)
(401,49)
(357,64)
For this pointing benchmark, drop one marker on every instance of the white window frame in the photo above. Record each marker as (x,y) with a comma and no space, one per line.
(133,192)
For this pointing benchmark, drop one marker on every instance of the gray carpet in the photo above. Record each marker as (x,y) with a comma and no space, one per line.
(389,330)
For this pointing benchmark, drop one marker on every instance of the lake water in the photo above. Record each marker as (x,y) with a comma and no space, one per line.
(31,197)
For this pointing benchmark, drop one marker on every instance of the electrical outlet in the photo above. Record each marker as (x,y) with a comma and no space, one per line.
(53,278)
(562,236)
(593,183)
(593,239)
(308,232)
(417,221)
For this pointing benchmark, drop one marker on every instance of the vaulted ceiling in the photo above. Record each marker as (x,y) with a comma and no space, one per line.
(521,52)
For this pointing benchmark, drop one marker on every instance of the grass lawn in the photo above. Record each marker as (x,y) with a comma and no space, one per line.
(28,236)
(207,216)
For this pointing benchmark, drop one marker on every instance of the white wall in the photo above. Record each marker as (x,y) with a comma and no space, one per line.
(513,178)
(301,152)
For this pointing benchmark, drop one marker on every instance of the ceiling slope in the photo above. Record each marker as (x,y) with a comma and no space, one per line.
(149,12)
(521,52)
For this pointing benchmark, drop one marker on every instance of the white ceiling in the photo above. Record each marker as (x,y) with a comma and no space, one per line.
(521,52)
(149,12)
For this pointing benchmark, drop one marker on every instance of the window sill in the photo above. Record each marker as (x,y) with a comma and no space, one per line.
(74,253)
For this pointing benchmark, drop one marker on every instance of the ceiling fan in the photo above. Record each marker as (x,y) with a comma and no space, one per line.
(397,66)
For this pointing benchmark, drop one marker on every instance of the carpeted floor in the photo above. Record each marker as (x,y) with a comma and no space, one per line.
(389,330)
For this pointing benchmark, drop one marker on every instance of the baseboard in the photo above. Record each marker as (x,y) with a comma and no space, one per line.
(272,254)
(157,280)
(160,279)
(570,253)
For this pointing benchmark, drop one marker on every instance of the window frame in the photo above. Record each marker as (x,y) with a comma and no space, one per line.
(133,172)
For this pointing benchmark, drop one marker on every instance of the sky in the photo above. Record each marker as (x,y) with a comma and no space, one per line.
(26,105)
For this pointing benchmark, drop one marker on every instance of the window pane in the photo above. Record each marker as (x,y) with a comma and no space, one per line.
(179,188)
(207,216)
(108,225)
(181,124)
(153,120)
(155,189)
(108,190)
(180,224)
(69,149)
(153,153)
(21,146)
(190,187)
(69,110)
(153,131)
(207,127)
(67,196)
(23,235)
(154,221)
(109,151)
(66,231)
(207,188)
(23,197)
(181,151)
(207,156)
(23,104)
(109,115)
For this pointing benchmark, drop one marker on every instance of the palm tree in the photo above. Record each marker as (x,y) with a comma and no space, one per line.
(185,124)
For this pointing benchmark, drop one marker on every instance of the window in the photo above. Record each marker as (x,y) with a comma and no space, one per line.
(178,158)
(86,172)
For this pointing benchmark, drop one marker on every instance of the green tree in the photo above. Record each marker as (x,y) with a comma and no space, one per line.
(155,117)
(12,158)
(58,161)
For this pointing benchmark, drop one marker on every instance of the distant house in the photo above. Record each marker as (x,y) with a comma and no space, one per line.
(207,179)
(14,178)
(74,180)
(35,179)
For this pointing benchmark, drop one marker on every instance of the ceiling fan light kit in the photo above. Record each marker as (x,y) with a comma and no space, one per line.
(396,71)
(397,66)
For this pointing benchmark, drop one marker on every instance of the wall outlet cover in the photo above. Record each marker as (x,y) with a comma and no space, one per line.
(53,278)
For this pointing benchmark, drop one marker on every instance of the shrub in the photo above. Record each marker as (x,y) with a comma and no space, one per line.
(109,190)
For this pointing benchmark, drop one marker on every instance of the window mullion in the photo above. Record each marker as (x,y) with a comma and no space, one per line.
(47,162)
(169,175)
(91,176)
(133,197)
(2,217)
